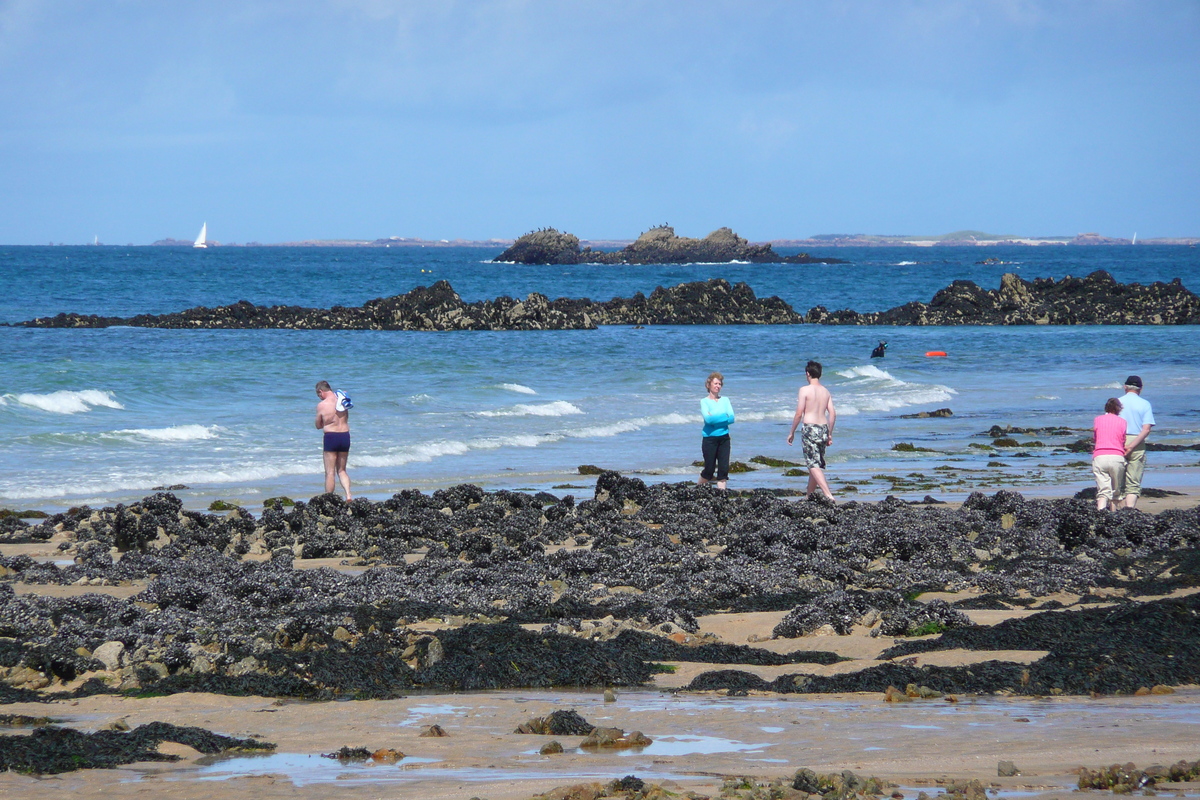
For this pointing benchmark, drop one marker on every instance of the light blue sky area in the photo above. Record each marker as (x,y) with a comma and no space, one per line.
(282,120)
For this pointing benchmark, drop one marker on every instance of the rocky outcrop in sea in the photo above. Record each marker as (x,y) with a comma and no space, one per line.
(439,308)
(658,245)
(454,584)
(1097,299)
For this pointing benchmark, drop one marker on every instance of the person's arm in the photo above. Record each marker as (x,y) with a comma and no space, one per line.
(320,421)
(713,415)
(1141,437)
(832,414)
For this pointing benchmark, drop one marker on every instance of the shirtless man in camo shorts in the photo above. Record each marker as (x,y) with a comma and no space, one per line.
(814,408)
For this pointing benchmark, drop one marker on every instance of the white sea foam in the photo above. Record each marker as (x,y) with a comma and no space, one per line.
(144,482)
(870,388)
(431,450)
(518,388)
(868,371)
(64,402)
(407,455)
(905,263)
(1046,397)
(558,408)
(1113,385)
(630,425)
(759,416)
(175,433)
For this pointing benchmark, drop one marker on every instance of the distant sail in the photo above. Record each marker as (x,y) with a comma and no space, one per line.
(1134,238)
(202,239)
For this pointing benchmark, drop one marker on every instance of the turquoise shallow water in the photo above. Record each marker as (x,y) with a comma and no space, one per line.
(103,416)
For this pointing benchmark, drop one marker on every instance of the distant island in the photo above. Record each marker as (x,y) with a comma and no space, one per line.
(659,245)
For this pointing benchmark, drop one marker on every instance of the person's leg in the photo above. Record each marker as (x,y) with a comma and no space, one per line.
(343,476)
(816,480)
(722,461)
(708,448)
(330,458)
(1135,465)
(1101,471)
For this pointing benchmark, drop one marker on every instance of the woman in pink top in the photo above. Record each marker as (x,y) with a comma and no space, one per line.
(1108,456)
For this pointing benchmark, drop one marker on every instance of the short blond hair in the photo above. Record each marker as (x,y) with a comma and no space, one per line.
(323,386)
(716,376)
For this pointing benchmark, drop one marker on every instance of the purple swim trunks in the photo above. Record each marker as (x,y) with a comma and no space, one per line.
(337,442)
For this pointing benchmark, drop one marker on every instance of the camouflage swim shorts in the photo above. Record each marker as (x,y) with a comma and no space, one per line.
(813,437)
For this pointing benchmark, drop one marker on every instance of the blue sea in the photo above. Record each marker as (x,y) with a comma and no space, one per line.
(103,416)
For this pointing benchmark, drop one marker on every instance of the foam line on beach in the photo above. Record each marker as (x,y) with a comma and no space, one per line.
(146,482)
(517,387)
(64,401)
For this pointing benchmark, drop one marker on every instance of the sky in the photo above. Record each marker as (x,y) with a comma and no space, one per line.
(284,120)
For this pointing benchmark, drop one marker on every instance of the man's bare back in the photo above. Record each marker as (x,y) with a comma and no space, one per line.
(329,418)
(814,404)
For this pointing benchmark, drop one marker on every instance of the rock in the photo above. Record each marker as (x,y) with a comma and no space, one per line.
(432,731)
(1160,689)
(658,245)
(110,654)
(1095,300)
(610,696)
(613,739)
(386,755)
(551,748)
(578,791)
(941,412)
(1006,769)
(589,469)
(894,695)
(558,723)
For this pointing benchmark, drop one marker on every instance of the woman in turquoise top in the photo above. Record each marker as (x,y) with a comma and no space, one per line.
(718,416)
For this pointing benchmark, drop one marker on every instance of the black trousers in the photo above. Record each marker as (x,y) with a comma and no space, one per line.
(716,453)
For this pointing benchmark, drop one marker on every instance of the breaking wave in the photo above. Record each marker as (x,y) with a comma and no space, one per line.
(559,408)
(175,433)
(64,402)
(869,388)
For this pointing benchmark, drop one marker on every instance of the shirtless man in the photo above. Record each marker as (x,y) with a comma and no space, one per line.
(336,425)
(814,408)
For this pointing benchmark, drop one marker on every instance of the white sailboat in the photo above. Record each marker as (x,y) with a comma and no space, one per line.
(202,239)
(1134,238)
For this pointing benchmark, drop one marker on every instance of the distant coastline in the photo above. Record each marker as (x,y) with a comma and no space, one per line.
(953,239)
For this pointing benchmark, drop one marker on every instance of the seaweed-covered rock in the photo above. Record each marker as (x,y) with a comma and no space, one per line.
(49,750)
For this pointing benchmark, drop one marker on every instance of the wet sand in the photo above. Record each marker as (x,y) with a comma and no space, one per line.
(913,744)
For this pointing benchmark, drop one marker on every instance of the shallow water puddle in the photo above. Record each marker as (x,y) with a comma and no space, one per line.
(304,768)
(416,714)
(684,745)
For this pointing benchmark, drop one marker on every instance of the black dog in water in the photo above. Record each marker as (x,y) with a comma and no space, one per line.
(880,350)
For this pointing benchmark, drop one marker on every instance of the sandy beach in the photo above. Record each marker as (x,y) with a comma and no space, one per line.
(700,738)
